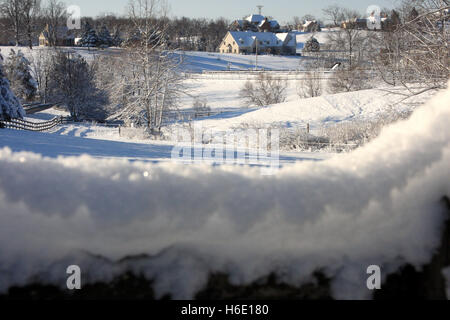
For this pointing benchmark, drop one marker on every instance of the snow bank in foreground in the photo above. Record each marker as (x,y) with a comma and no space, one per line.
(379,205)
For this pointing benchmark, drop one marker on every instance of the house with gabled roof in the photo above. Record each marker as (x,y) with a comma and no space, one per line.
(247,42)
(268,25)
(255,19)
(64,37)
(311,26)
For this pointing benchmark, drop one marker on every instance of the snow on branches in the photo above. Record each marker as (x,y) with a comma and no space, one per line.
(10,106)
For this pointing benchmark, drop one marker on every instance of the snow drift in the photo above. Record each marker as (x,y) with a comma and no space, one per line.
(378,205)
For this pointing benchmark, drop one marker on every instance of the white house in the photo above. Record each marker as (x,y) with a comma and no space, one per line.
(245,42)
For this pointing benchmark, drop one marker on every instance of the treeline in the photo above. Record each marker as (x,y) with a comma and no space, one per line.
(22,21)
(180,33)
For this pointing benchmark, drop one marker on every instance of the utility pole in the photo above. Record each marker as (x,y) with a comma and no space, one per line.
(256,57)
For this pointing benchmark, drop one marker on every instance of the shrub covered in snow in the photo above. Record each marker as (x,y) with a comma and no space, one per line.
(358,133)
(18,70)
(312,45)
(10,106)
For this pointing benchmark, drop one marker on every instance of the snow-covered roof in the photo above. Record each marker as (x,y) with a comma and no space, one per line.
(289,39)
(255,18)
(268,39)
(273,23)
(239,22)
(307,23)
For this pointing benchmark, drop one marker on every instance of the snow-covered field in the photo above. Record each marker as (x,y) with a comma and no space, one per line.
(105,143)
(319,111)
(192,221)
(205,61)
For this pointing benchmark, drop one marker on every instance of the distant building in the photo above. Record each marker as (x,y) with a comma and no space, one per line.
(246,42)
(356,23)
(311,26)
(255,23)
(268,25)
(64,37)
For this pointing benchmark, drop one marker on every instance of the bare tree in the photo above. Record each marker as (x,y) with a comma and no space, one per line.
(12,9)
(335,14)
(41,68)
(150,81)
(54,16)
(264,91)
(351,79)
(296,23)
(310,86)
(308,17)
(72,83)
(30,10)
(348,40)
(416,51)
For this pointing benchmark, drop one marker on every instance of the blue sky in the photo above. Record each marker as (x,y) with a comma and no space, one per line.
(282,10)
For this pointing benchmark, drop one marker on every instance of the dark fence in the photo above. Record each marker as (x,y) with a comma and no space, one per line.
(20,124)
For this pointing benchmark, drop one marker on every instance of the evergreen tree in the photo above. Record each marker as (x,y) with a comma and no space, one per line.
(117,39)
(10,106)
(104,37)
(312,45)
(18,70)
(89,38)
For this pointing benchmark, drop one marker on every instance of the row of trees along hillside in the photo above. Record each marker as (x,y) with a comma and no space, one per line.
(22,21)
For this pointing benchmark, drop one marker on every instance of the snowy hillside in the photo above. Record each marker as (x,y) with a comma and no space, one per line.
(198,220)
(318,112)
